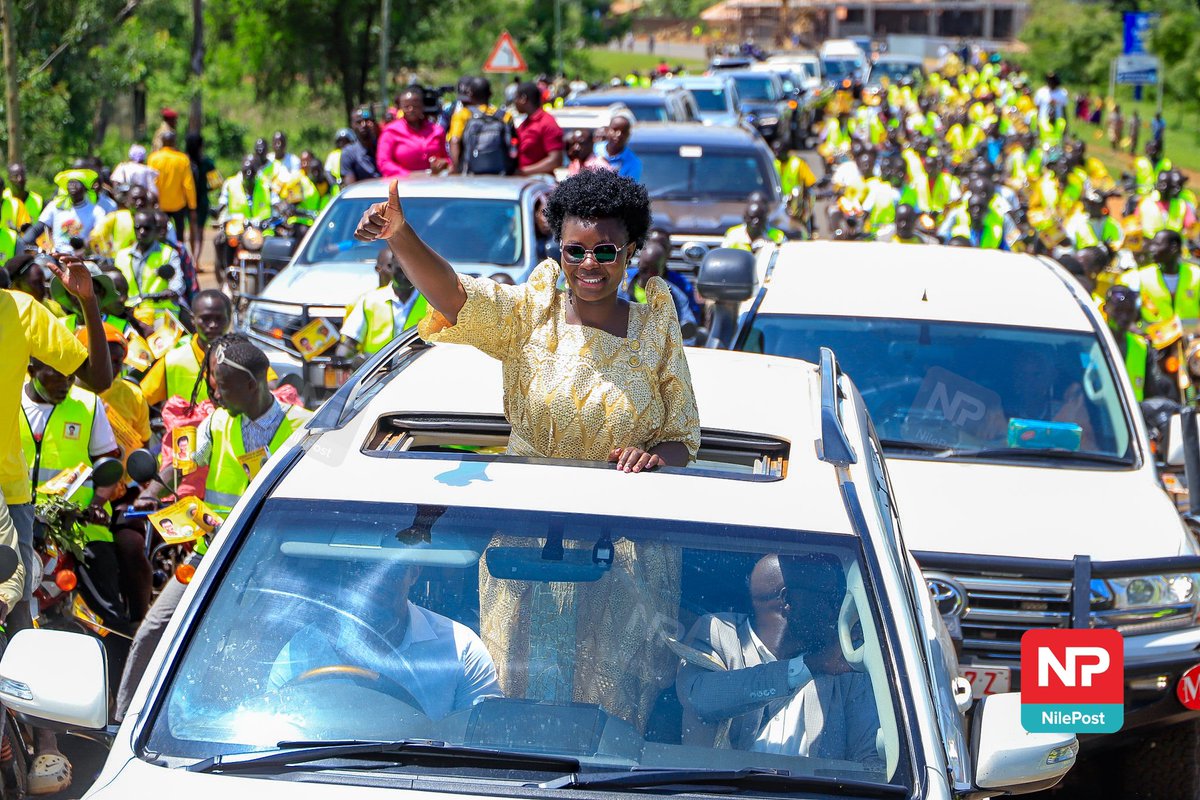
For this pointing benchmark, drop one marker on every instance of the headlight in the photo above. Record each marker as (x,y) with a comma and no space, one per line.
(1146,603)
(768,120)
(252,239)
(276,324)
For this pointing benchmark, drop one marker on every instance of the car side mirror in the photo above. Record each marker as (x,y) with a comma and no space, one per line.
(56,676)
(1012,760)
(727,276)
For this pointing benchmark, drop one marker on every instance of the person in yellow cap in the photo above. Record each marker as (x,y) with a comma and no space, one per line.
(73,214)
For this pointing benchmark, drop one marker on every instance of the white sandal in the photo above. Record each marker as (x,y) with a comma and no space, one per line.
(50,773)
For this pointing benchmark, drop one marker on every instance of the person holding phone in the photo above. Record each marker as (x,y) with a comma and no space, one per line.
(634,406)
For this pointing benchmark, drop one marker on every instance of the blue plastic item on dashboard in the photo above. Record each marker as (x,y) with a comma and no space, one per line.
(1041,434)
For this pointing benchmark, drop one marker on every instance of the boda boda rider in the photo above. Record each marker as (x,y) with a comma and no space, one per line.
(586,376)
(62,426)
(177,373)
(783,685)
(249,423)
(428,661)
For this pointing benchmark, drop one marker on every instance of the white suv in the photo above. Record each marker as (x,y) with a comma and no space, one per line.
(1020,458)
(539,612)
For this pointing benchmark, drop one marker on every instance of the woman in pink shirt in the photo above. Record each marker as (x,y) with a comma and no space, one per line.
(411,143)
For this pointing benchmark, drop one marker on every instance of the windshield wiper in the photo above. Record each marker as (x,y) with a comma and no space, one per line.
(753,778)
(921,447)
(402,750)
(1039,454)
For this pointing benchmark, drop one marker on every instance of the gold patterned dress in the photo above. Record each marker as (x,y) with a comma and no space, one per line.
(572,391)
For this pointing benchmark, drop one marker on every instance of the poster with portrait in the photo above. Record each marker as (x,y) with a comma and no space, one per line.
(252,462)
(175,524)
(66,482)
(183,448)
(315,338)
(167,334)
(138,356)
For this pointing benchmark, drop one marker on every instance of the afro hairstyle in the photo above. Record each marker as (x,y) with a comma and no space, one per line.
(595,194)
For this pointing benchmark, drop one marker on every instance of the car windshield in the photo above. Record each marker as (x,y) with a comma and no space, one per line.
(837,70)
(804,69)
(894,71)
(624,643)
(648,111)
(753,87)
(958,387)
(710,99)
(691,172)
(493,235)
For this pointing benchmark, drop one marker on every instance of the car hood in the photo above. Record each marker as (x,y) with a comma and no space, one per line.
(723,118)
(332,282)
(709,217)
(1034,512)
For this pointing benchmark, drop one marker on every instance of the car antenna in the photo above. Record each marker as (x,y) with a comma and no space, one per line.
(924,295)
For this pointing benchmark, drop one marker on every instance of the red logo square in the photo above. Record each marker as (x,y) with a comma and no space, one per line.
(1072,666)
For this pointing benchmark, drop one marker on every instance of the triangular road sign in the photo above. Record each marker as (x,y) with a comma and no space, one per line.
(505,57)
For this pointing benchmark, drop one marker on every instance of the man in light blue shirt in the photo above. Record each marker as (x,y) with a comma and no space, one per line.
(615,148)
(409,652)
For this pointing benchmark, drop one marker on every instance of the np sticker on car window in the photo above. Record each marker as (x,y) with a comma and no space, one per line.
(691,151)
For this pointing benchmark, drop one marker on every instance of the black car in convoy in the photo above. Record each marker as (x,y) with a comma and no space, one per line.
(766,106)
(700,177)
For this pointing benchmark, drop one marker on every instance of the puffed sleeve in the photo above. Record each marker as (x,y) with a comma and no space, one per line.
(496,319)
(682,420)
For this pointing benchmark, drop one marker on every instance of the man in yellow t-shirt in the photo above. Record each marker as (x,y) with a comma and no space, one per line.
(29,330)
(477,97)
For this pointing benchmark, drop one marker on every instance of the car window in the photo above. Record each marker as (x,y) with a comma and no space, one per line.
(754,87)
(493,237)
(626,643)
(959,387)
(894,71)
(838,69)
(711,99)
(732,176)
(649,111)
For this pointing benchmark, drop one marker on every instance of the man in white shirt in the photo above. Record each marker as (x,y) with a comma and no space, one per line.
(1051,94)
(134,172)
(423,659)
(777,681)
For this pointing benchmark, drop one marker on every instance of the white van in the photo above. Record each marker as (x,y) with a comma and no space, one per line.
(1019,454)
(393,605)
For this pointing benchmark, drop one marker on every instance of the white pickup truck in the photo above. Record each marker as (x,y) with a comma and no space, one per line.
(1019,455)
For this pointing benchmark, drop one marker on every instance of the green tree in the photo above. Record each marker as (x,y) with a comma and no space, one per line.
(1074,39)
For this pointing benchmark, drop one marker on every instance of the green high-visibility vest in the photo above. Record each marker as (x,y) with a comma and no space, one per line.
(1154,220)
(992,235)
(227,479)
(183,372)
(64,445)
(946,188)
(738,238)
(9,207)
(1136,350)
(381,323)
(1157,303)
(1146,174)
(149,282)
(257,207)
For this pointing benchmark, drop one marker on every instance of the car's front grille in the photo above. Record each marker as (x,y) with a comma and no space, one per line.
(1000,609)
(679,240)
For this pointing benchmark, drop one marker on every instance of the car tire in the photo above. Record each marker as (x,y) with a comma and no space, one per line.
(1166,763)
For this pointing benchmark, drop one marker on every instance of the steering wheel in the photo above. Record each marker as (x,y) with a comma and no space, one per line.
(847,616)
(362,674)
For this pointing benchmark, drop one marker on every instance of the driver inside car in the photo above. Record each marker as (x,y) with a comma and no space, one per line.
(775,681)
(382,639)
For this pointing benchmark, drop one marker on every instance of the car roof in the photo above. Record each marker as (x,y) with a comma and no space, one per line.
(899,59)
(697,81)
(926,282)
(684,133)
(452,380)
(621,95)
(492,187)
(752,73)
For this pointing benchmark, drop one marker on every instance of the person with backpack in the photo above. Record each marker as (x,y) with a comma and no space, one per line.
(481,136)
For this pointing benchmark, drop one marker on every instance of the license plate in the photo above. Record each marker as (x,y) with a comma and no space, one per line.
(987,680)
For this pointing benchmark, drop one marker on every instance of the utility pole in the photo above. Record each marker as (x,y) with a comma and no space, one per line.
(12,106)
(196,113)
(558,47)
(385,45)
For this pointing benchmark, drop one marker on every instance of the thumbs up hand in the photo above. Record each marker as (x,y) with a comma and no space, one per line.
(381,220)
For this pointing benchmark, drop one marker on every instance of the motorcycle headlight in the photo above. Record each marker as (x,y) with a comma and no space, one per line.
(1146,603)
(252,239)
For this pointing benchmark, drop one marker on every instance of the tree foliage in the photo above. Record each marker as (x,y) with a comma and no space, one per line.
(1075,39)
(81,60)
